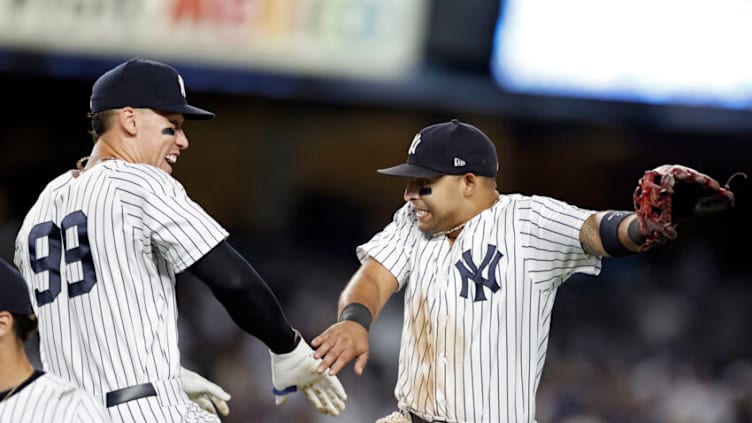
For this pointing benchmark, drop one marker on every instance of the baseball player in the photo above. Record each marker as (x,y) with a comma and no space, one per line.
(28,395)
(480,272)
(101,246)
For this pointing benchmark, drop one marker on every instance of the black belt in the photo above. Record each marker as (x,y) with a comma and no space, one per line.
(130,393)
(418,419)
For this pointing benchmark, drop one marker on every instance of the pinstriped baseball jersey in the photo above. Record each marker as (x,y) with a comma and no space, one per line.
(477,313)
(100,252)
(47,398)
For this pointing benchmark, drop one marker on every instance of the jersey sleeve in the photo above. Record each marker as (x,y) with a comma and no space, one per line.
(552,246)
(174,225)
(63,400)
(393,245)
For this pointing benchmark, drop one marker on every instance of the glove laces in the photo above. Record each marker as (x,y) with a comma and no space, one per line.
(731,178)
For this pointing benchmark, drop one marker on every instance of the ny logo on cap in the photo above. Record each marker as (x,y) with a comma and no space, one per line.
(414,144)
(182,86)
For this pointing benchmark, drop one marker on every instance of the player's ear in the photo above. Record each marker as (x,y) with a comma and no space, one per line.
(127,119)
(470,182)
(6,323)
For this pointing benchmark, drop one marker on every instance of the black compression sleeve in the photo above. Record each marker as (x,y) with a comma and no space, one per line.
(247,298)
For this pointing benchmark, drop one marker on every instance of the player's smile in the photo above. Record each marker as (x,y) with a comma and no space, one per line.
(169,160)
(172,158)
(173,140)
(422,214)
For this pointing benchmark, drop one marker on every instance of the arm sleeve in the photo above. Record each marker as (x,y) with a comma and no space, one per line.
(164,218)
(552,244)
(393,246)
(247,298)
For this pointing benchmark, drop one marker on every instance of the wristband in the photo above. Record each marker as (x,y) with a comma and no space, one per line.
(609,231)
(357,313)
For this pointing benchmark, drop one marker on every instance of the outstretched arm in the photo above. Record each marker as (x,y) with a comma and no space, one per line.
(246,296)
(664,197)
(254,307)
(360,302)
(611,233)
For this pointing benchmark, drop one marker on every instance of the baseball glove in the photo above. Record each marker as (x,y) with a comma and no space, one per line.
(670,194)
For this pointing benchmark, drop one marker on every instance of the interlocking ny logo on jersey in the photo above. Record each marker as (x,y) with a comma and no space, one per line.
(469,271)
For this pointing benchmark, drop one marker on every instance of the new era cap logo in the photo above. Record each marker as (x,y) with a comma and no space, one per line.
(414,144)
(459,162)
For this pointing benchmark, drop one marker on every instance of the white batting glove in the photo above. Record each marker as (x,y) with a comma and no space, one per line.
(297,370)
(206,394)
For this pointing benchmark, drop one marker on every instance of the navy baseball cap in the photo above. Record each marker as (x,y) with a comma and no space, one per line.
(449,148)
(14,294)
(143,83)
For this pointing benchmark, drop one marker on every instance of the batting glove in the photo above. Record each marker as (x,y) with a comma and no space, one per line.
(297,370)
(206,394)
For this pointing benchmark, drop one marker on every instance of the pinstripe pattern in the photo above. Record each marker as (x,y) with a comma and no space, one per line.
(480,361)
(142,229)
(51,399)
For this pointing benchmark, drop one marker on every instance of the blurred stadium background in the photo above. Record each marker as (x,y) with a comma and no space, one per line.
(312,96)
